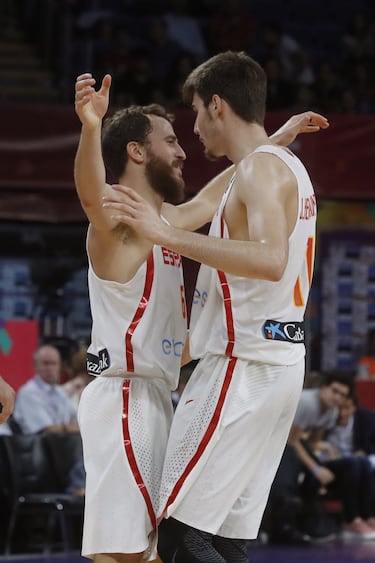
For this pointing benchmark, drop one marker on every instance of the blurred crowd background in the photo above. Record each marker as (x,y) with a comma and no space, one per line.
(317,55)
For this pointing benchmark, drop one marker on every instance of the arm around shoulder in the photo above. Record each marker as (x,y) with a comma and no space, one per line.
(200,210)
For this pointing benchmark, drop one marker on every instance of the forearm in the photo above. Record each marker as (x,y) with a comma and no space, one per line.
(89,170)
(280,137)
(305,458)
(200,210)
(240,258)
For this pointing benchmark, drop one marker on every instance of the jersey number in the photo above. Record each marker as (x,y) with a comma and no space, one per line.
(299,300)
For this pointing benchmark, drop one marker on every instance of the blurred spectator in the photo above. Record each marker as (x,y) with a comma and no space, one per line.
(41,404)
(328,87)
(80,378)
(348,102)
(280,93)
(358,38)
(163,51)
(142,83)
(185,30)
(7,395)
(178,73)
(231,27)
(354,433)
(276,44)
(303,70)
(305,99)
(348,477)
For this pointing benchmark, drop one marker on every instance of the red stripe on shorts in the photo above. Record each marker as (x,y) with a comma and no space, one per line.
(206,438)
(130,453)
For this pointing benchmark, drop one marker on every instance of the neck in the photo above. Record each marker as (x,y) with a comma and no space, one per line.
(244,139)
(142,187)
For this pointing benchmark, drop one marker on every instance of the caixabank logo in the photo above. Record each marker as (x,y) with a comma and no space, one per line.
(292,331)
(97,364)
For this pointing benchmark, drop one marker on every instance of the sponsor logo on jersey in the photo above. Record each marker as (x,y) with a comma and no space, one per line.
(172,347)
(199,298)
(99,363)
(292,331)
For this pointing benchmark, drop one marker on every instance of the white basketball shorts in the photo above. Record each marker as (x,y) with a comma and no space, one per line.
(226,442)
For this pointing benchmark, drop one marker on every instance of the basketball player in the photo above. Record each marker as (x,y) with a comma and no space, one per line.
(139,322)
(138,325)
(233,419)
(7,395)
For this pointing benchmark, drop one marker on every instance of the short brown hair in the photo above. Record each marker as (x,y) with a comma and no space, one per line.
(235,77)
(126,125)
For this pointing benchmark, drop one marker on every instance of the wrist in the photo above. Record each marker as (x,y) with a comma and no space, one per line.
(316,470)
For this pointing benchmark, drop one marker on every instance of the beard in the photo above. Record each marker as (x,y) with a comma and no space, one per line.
(160,176)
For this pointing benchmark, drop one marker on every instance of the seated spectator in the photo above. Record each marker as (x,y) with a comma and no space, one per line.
(77,479)
(354,433)
(80,378)
(41,404)
(347,477)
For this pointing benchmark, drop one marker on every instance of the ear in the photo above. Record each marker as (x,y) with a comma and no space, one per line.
(217,104)
(135,151)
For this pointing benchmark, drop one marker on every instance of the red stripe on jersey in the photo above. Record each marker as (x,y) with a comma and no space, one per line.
(139,313)
(130,452)
(228,312)
(310,251)
(206,438)
(227,301)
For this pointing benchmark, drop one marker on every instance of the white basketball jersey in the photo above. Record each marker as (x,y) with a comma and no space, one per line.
(256,319)
(139,327)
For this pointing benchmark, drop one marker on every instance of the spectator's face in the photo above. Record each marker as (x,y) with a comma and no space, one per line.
(334,395)
(48,365)
(347,409)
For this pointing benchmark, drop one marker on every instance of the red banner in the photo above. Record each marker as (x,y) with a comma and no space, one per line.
(37,151)
(18,342)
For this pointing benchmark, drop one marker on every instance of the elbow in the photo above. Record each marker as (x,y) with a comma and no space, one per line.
(276,269)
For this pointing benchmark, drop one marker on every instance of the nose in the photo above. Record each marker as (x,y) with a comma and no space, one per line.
(196,129)
(181,153)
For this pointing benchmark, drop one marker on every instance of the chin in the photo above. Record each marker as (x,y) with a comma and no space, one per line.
(211,156)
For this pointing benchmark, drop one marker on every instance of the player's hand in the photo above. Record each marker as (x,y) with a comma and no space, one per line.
(306,122)
(132,209)
(91,105)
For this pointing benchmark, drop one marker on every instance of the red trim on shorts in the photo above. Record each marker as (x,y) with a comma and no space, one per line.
(130,452)
(227,301)
(206,438)
(139,313)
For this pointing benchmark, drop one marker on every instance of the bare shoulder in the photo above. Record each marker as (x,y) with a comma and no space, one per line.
(116,255)
(263,174)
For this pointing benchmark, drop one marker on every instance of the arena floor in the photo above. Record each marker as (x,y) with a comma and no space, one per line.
(333,552)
